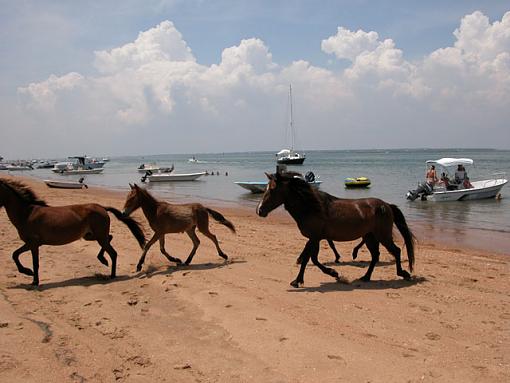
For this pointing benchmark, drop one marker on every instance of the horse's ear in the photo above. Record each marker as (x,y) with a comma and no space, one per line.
(269,176)
(131,186)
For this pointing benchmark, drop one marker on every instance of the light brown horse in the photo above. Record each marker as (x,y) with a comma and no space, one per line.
(39,224)
(320,215)
(166,218)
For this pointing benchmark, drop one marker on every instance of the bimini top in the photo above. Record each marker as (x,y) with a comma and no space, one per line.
(447,162)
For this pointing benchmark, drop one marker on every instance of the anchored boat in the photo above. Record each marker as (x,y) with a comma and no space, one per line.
(453,187)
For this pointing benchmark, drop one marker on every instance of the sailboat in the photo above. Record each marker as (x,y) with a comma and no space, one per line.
(289,156)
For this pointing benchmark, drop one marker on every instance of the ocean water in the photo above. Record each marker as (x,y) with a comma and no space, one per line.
(480,224)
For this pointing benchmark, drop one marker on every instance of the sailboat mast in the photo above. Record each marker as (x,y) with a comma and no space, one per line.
(291,120)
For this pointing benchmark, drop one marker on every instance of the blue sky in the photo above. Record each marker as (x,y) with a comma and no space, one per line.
(41,39)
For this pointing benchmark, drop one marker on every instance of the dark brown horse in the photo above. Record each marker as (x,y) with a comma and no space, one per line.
(39,224)
(320,215)
(166,218)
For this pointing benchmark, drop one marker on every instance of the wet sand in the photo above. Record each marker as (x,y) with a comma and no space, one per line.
(240,321)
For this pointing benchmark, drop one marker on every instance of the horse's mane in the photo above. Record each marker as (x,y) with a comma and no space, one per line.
(310,198)
(22,191)
(146,193)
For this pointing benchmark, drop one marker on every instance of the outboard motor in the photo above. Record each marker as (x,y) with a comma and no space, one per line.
(147,174)
(309,177)
(423,190)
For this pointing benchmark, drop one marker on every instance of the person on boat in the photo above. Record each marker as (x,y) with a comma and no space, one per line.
(445,181)
(431,176)
(460,174)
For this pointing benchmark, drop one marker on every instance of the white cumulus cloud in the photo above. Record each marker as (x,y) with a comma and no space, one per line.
(155,84)
(161,43)
(349,45)
(43,95)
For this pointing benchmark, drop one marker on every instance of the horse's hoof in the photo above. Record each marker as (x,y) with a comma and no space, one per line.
(405,275)
(343,280)
(333,273)
(223,255)
(35,284)
(295,283)
(138,268)
(337,261)
(178,261)
(365,279)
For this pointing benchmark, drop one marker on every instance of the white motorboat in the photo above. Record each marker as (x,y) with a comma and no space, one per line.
(450,190)
(80,163)
(194,160)
(172,177)
(152,167)
(66,184)
(75,171)
(19,167)
(253,186)
(289,156)
(260,186)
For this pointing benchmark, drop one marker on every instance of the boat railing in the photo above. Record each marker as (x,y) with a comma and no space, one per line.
(495,177)
(499,175)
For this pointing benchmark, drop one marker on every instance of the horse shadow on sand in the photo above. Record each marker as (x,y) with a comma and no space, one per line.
(153,271)
(103,279)
(360,263)
(333,286)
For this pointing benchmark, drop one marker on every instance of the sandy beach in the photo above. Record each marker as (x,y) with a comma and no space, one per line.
(240,321)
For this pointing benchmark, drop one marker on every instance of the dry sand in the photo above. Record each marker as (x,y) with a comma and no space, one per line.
(241,321)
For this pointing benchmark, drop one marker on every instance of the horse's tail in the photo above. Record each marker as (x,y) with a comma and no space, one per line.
(221,219)
(409,237)
(131,223)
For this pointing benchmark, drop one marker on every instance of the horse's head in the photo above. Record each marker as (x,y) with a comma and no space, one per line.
(132,200)
(274,196)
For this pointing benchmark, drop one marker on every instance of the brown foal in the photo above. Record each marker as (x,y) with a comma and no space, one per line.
(166,218)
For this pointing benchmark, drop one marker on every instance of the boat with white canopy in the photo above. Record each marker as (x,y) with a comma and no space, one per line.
(453,187)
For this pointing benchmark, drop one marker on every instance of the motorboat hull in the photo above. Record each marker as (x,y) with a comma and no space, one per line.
(481,190)
(291,161)
(170,177)
(257,187)
(16,168)
(153,169)
(64,184)
(253,186)
(78,171)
